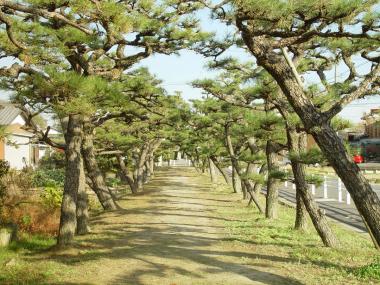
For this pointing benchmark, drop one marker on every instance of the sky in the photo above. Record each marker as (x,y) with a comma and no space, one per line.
(178,71)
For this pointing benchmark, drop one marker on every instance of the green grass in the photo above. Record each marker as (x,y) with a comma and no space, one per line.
(370,271)
(32,243)
(15,267)
(303,253)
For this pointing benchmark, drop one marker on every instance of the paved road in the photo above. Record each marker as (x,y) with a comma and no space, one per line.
(340,211)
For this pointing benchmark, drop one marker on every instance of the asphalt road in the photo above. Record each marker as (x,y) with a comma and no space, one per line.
(335,208)
(340,211)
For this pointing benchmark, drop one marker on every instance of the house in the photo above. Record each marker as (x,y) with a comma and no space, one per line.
(17,145)
(372,123)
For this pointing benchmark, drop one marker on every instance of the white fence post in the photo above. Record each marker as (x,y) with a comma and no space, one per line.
(313,189)
(348,198)
(293,186)
(325,188)
(286,183)
(340,190)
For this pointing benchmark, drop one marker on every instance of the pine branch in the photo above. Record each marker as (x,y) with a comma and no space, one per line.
(43,13)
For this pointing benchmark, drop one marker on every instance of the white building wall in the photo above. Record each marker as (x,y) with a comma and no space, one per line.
(18,120)
(15,154)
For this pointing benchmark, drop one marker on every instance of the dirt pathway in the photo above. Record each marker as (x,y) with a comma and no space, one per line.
(172,234)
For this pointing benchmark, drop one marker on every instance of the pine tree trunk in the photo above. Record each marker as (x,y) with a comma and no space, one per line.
(301,212)
(249,170)
(366,200)
(244,190)
(236,168)
(300,223)
(73,178)
(146,172)
(226,177)
(318,218)
(139,171)
(257,188)
(151,165)
(236,183)
(213,176)
(253,195)
(98,184)
(127,176)
(272,183)
(139,178)
(82,205)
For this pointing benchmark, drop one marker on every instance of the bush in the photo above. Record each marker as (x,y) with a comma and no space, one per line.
(33,217)
(54,160)
(48,177)
(17,181)
(4,167)
(113,182)
(52,197)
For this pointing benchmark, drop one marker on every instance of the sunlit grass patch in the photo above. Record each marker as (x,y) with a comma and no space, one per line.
(303,252)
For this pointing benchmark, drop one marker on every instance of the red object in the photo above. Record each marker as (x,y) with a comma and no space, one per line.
(358,158)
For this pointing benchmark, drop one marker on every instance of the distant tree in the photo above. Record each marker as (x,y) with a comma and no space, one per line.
(87,47)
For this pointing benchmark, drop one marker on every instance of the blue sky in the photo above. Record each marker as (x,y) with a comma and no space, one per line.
(177,71)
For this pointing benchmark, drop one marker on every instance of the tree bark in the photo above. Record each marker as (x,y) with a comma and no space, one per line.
(301,212)
(244,190)
(82,204)
(212,169)
(236,167)
(319,220)
(263,170)
(146,172)
(127,175)
(139,171)
(151,165)
(73,178)
(98,184)
(272,183)
(226,177)
(300,222)
(366,200)
(236,183)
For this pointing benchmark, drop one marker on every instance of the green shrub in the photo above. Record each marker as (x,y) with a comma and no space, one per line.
(53,160)
(4,167)
(48,177)
(26,220)
(113,182)
(52,197)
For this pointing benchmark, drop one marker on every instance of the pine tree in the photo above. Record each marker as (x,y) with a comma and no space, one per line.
(325,34)
(86,52)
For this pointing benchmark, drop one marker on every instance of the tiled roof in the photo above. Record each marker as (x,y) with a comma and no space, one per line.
(8,113)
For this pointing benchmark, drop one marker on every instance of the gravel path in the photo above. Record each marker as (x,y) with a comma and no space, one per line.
(172,234)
